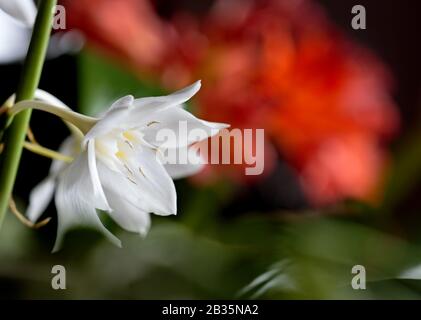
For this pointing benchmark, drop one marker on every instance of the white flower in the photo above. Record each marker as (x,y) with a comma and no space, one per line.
(17,19)
(117,166)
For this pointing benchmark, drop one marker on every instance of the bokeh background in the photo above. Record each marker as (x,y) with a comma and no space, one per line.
(341,113)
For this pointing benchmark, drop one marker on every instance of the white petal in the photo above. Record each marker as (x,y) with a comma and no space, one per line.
(70,41)
(177,98)
(69,147)
(127,215)
(151,175)
(182,170)
(76,205)
(141,180)
(17,18)
(122,103)
(413,273)
(181,123)
(40,197)
(143,109)
(114,119)
(14,38)
(101,200)
(49,98)
(23,10)
(127,113)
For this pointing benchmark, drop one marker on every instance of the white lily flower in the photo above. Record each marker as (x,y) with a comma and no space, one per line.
(117,166)
(17,18)
(16,21)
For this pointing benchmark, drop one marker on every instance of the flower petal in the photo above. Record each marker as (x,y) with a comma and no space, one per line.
(122,103)
(76,205)
(141,180)
(24,11)
(41,195)
(127,215)
(14,38)
(127,113)
(69,41)
(112,120)
(151,175)
(101,200)
(144,109)
(49,98)
(180,170)
(181,123)
(177,98)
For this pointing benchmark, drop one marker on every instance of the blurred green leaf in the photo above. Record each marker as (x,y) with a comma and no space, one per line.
(405,171)
(102,81)
(321,253)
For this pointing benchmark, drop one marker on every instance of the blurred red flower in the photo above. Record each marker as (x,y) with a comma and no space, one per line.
(279,65)
(128,30)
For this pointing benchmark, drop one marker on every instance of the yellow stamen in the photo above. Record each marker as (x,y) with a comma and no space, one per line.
(1,147)
(121,155)
(23,219)
(129,136)
(45,152)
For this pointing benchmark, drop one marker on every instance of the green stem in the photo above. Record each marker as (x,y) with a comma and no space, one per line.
(15,133)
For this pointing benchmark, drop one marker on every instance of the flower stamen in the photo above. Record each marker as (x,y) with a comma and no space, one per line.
(23,219)
(31,136)
(131,180)
(121,155)
(129,144)
(141,171)
(128,169)
(152,123)
(45,152)
(129,136)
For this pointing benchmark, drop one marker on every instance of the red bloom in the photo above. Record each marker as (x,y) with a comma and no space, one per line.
(128,30)
(278,65)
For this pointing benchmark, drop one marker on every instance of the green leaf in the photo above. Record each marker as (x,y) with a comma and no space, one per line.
(102,81)
(405,172)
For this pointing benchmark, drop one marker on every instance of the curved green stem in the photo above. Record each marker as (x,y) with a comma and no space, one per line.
(82,122)
(15,133)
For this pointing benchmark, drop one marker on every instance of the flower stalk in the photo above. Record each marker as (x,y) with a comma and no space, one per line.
(82,122)
(15,134)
